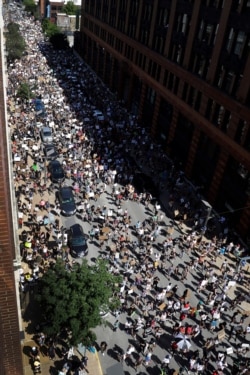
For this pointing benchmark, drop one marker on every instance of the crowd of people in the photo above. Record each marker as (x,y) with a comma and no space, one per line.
(177,284)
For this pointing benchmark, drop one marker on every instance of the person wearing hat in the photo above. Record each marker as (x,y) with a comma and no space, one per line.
(34,352)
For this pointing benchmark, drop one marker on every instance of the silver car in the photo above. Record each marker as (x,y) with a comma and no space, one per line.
(46,135)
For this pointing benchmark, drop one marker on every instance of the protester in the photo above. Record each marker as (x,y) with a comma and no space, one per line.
(100,159)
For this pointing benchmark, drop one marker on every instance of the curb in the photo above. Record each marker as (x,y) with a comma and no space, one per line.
(99,363)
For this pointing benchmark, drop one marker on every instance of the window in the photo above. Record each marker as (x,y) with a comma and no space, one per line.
(207,33)
(241,131)
(170,81)
(182,24)
(239,45)
(151,96)
(201,30)
(131,30)
(147,14)
(163,17)
(230,40)
(225,121)
(129,52)
(134,7)
(165,79)
(112,19)
(110,39)
(91,26)
(158,44)
(103,34)
(97,11)
(228,82)
(176,84)
(123,4)
(177,53)
(118,45)
(97,29)
(154,70)
(144,36)
(247,138)
(121,23)
(200,66)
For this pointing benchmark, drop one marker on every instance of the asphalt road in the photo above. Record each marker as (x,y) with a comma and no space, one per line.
(120,340)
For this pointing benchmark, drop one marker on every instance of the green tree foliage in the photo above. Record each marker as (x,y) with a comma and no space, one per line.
(70,8)
(30,6)
(71,301)
(56,37)
(13,28)
(24,91)
(50,28)
(15,44)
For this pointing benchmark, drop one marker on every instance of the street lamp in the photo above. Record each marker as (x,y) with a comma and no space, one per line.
(209,210)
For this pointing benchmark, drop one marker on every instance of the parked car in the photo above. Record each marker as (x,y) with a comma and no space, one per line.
(66,200)
(56,171)
(50,151)
(77,241)
(46,134)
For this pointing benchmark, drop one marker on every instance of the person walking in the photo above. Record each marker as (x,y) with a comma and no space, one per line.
(138,363)
(51,352)
(104,346)
(147,359)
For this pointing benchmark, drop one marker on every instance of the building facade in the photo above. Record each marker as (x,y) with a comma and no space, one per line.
(10,323)
(183,67)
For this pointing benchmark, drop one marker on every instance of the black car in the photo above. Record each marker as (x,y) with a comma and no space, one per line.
(50,151)
(77,241)
(66,200)
(56,171)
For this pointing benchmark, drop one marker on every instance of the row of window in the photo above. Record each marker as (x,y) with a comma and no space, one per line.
(237,42)
(226,79)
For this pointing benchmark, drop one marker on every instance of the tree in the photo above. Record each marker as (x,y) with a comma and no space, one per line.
(56,37)
(25,91)
(30,6)
(71,301)
(15,43)
(70,8)
(50,29)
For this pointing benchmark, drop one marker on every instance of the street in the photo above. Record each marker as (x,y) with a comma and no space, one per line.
(102,150)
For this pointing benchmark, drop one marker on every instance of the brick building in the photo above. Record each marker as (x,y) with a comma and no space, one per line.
(183,67)
(10,334)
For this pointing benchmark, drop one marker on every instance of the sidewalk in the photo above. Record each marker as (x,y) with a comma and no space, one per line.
(94,366)
(47,365)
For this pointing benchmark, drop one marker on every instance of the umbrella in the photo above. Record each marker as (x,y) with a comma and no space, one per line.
(27,245)
(184,343)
